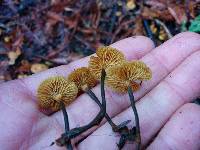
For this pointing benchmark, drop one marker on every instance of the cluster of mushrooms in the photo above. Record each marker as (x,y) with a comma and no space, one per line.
(109,67)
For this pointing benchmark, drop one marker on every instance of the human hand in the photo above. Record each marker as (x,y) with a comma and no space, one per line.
(167,120)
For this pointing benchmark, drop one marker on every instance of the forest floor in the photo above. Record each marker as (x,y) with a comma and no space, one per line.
(36,35)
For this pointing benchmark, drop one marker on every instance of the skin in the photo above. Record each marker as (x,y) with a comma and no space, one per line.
(168,120)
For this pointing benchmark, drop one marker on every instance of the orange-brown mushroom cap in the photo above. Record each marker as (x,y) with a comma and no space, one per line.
(106,57)
(56,89)
(127,74)
(83,78)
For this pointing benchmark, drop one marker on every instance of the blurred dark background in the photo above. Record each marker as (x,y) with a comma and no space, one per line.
(37,34)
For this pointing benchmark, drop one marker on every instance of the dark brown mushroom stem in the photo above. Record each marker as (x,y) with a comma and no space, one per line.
(65,137)
(67,128)
(93,97)
(115,128)
(132,99)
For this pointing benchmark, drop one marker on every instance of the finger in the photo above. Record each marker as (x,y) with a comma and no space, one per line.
(133,48)
(181,86)
(182,131)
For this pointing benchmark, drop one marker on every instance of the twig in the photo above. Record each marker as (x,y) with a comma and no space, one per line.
(164,27)
(132,99)
(174,14)
(187,11)
(148,30)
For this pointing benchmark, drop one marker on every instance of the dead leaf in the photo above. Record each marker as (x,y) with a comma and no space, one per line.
(178,13)
(7,39)
(130,4)
(35,68)
(149,13)
(20,76)
(138,29)
(13,55)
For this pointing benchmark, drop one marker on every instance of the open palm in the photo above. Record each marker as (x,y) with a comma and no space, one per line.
(167,119)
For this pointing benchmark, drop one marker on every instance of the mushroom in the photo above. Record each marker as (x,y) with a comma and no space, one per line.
(106,57)
(54,90)
(83,78)
(123,79)
(120,77)
(84,81)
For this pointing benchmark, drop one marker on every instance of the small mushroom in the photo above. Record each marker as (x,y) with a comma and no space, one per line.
(77,76)
(127,74)
(123,79)
(106,57)
(83,78)
(54,90)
